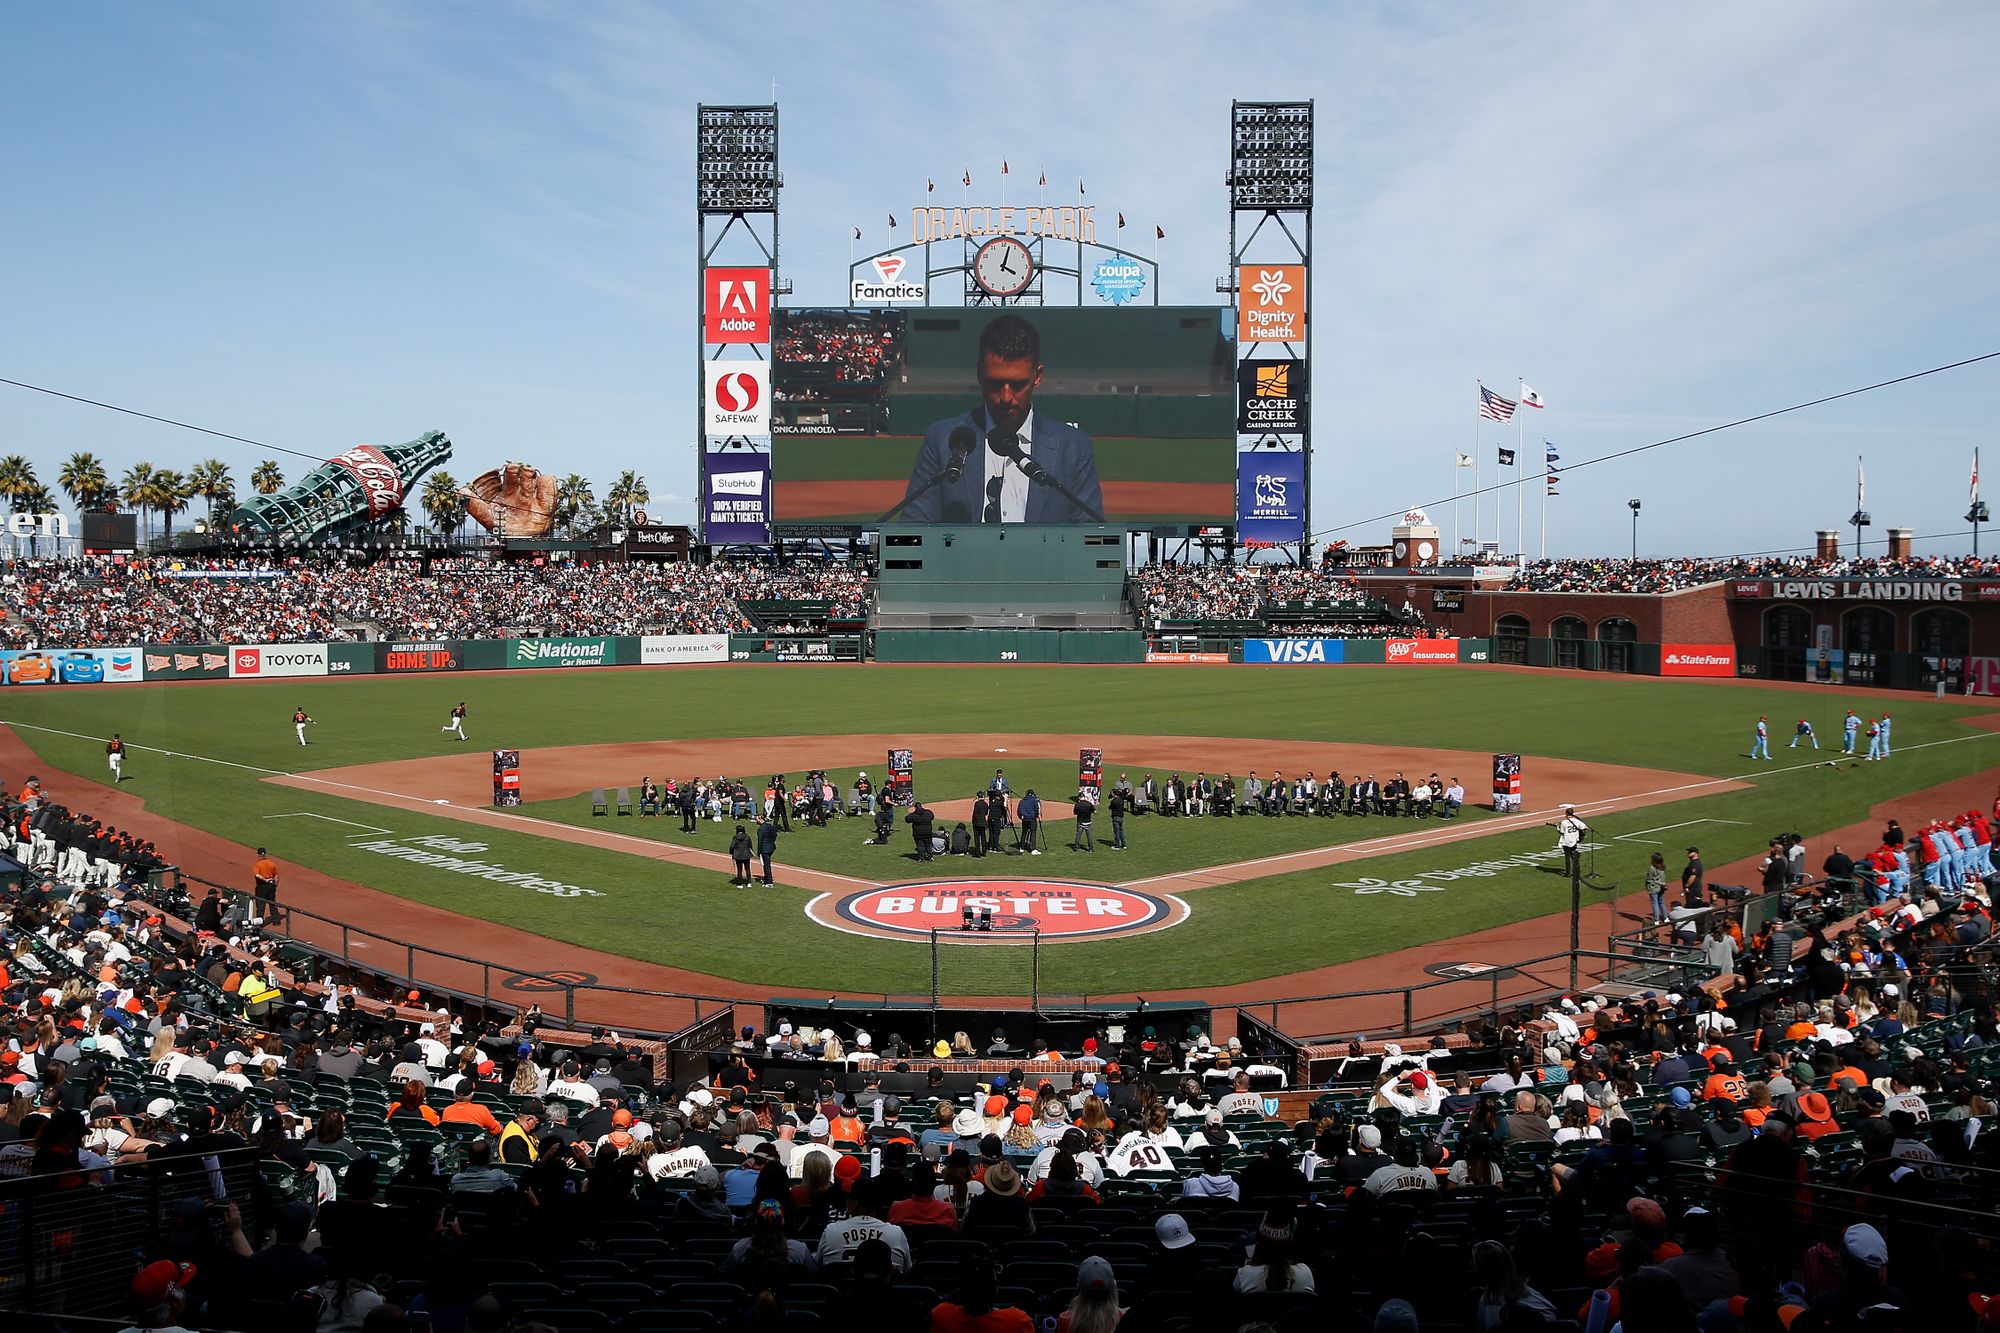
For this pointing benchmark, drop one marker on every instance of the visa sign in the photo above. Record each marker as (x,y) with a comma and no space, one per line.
(1325,652)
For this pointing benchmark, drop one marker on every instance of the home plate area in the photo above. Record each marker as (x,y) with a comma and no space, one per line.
(981,911)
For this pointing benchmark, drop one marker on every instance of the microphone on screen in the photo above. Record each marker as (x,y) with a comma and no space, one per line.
(962,442)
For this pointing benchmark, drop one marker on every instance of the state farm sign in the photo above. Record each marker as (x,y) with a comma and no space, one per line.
(1697,659)
(1057,909)
(1420,652)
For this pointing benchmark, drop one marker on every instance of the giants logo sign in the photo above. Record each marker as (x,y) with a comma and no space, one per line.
(739,398)
(1697,659)
(377,476)
(1420,652)
(1060,910)
(736,305)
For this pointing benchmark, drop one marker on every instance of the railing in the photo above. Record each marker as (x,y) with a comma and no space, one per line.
(1482,988)
(567,998)
(67,1242)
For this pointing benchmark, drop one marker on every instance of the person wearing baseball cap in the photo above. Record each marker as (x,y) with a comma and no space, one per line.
(159,1294)
(1095,1304)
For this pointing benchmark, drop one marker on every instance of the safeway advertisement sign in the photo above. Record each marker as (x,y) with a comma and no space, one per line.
(739,397)
(736,305)
(1697,659)
(270,660)
(1420,652)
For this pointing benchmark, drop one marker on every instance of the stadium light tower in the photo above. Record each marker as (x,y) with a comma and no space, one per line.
(1634,505)
(1270,259)
(736,227)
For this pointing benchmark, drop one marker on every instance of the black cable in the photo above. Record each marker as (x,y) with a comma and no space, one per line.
(1677,439)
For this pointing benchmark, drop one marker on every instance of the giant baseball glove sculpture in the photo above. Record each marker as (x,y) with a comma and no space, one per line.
(516,500)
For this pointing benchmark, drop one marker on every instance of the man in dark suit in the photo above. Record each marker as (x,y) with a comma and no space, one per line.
(920,819)
(994,489)
(979,814)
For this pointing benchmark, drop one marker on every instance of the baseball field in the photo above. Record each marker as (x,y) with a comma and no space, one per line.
(383,799)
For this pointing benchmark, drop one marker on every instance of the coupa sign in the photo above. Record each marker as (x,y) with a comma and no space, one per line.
(1057,910)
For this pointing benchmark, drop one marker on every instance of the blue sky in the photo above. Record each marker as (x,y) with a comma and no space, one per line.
(317,225)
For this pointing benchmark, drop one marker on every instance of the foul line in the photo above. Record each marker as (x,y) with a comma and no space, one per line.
(307,814)
(1505,824)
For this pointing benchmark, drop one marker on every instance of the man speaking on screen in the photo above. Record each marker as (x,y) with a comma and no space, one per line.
(1001,462)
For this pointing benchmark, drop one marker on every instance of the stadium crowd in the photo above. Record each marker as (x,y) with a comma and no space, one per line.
(100,603)
(1796,1145)
(1672,575)
(1166,593)
(860,348)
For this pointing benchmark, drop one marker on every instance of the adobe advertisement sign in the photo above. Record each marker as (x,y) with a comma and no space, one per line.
(1270,497)
(1271,303)
(736,305)
(736,498)
(1060,910)
(1697,659)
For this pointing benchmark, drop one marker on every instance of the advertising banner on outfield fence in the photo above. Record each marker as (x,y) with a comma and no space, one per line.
(426,655)
(186,661)
(264,661)
(561,652)
(1420,652)
(736,498)
(1697,659)
(350,659)
(1208,659)
(663,649)
(70,666)
(1323,652)
(1270,497)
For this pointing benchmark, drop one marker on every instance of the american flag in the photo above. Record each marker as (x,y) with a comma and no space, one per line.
(1495,408)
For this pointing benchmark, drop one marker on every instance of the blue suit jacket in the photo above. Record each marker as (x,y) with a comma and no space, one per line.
(1062,450)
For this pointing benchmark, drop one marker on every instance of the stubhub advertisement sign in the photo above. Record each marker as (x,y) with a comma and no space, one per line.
(1324,652)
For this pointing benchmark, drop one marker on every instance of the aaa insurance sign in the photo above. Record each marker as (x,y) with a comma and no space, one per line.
(1059,910)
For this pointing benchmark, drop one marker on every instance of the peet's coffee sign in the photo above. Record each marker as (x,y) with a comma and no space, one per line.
(1863,590)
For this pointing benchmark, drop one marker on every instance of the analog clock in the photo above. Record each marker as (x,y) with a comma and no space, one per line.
(1003,267)
(1425,551)
(1402,549)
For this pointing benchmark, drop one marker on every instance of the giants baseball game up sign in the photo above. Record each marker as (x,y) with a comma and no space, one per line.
(1060,910)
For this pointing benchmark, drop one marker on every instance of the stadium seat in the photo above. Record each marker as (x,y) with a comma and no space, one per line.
(624,800)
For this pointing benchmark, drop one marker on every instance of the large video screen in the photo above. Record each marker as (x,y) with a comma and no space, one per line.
(1133,416)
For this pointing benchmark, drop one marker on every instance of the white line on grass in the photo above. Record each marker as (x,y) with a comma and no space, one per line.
(1512,823)
(308,814)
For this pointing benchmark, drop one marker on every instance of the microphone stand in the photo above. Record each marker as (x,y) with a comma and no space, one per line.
(950,472)
(1010,448)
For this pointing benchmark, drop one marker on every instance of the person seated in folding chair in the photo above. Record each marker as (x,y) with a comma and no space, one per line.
(1421,798)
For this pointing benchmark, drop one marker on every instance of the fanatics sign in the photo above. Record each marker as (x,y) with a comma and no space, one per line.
(1058,909)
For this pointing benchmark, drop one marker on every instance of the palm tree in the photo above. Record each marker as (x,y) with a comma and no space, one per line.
(267,478)
(84,481)
(442,501)
(17,479)
(626,494)
(168,494)
(134,488)
(575,505)
(36,500)
(210,480)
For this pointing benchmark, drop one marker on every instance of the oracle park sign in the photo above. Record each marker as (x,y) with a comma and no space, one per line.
(1058,910)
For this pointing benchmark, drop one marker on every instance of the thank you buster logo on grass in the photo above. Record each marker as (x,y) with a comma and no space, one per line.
(1059,909)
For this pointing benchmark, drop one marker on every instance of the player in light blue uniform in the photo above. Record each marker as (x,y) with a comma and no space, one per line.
(1760,747)
(1885,735)
(1874,741)
(1848,729)
(1803,732)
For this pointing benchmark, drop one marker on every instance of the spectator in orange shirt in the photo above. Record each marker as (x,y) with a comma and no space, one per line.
(411,1102)
(1725,1082)
(1815,1116)
(464,1111)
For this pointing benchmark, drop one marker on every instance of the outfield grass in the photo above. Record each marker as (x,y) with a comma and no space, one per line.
(1258,928)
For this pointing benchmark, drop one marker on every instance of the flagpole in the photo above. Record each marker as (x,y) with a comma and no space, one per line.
(1457,550)
(1476,467)
(1545,502)
(1520,447)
